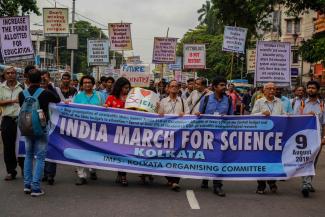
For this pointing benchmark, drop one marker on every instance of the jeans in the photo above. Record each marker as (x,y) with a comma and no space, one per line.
(35,146)
(9,127)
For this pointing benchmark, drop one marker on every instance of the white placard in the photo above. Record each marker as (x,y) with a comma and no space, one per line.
(234,39)
(98,52)
(164,50)
(273,62)
(194,56)
(15,39)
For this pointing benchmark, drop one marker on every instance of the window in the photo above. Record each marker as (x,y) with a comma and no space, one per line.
(289,26)
(295,56)
(297,26)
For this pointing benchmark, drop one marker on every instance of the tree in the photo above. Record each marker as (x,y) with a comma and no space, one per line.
(313,50)
(244,13)
(85,31)
(217,61)
(298,6)
(13,7)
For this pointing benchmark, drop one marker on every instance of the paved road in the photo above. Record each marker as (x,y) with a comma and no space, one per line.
(104,198)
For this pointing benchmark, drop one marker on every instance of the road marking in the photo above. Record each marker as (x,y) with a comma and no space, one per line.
(194,204)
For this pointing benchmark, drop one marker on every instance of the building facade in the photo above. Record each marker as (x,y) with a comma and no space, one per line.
(295,30)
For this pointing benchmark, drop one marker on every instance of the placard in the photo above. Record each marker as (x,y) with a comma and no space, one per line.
(194,56)
(15,40)
(273,63)
(142,99)
(135,68)
(234,39)
(120,36)
(56,21)
(97,52)
(251,60)
(164,50)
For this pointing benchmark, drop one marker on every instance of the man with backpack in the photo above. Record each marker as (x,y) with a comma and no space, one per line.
(216,104)
(33,124)
(9,91)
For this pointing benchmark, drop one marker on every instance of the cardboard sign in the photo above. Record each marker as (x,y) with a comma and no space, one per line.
(177,66)
(56,21)
(133,60)
(97,52)
(120,36)
(234,39)
(15,39)
(137,79)
(194,56)
(164,50)
(251,60)
(273,63)
(142,68)
(142,99)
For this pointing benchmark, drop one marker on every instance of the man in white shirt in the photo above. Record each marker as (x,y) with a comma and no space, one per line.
(9,91)
(173,104)
(268,105)
(195,97)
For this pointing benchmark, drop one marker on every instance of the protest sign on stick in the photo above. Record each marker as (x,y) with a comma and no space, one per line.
(15,39)
(273,63)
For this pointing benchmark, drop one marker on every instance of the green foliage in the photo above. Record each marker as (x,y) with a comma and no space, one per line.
(218,62)
(18,7)
(297,6)
(313,50)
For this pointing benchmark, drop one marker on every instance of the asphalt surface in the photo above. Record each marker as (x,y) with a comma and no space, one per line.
(105,198)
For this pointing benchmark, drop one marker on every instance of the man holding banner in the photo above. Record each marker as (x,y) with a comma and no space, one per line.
(216,104)
(176,105)
(268,105)
(92,97)
(312,106)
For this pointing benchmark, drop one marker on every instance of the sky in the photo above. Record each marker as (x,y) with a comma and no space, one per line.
(149,18)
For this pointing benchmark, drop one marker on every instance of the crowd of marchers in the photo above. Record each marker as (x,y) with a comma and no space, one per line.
(196,97)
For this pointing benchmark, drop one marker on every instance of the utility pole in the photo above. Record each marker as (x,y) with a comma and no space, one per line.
(72,32)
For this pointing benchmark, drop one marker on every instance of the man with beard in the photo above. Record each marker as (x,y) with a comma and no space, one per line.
(312,106)
(216,104)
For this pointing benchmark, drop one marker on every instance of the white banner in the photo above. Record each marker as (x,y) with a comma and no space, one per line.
(97,52)
(234,39)
(120,36)
(15,39)
(194,56)
(56,21)
(273,62)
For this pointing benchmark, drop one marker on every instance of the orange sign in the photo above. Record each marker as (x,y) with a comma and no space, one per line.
(320,23)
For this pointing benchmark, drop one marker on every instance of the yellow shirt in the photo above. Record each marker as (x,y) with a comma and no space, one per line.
(6,93)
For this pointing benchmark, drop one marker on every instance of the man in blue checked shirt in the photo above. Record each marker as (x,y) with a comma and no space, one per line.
(216,104)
